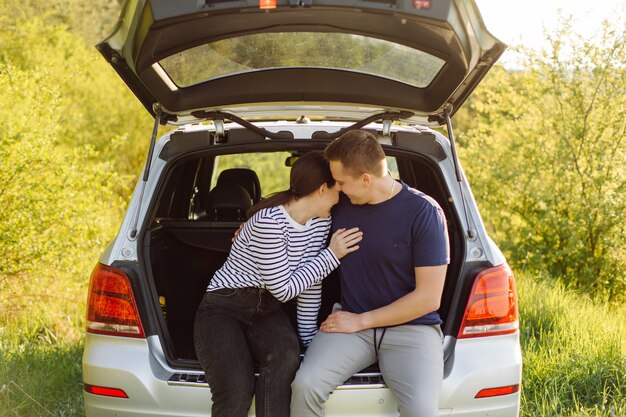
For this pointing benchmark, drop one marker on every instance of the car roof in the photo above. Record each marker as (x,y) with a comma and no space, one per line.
(342,59)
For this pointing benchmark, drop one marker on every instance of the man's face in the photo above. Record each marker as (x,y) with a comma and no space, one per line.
(355,188)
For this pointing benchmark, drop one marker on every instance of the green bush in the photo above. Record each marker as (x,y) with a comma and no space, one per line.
(546,149)
(70,144)
(72,140)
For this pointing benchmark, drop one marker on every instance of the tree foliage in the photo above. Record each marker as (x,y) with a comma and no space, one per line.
(87,20)
(72,139)
(546,154)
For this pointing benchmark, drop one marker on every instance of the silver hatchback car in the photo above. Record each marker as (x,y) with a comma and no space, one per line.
(248,87)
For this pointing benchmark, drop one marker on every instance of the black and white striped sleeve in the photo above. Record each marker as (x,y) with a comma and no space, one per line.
(268,245)
(308,307)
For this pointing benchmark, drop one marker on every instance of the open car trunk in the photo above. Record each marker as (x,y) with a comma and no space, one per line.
(187,240)
(361,57)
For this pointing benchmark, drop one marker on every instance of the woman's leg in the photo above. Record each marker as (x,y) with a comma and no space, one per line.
(224,355)
(274,345)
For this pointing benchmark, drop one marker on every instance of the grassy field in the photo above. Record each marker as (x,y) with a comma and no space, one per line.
(574,351)
(41,333)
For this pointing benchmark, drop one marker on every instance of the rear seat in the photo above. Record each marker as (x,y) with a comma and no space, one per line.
(228,203)
(243,177)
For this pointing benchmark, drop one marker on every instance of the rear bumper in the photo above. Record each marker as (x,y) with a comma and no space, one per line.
(127,364)
(482,363)
(136,366)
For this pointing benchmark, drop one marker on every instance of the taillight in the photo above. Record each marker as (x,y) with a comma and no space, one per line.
(105,391)
(111,307)
(492,306)
(496,392)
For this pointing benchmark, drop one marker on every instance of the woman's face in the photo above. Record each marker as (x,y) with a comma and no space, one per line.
(328,198)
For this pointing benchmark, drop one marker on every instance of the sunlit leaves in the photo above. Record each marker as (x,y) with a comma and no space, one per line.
(546,155)
(71,141)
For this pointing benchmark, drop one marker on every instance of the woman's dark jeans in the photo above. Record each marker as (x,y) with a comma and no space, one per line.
(236,329)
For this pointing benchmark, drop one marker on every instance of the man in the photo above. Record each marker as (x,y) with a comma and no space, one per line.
(390,288)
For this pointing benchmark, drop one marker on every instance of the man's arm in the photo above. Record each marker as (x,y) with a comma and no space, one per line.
(425,298)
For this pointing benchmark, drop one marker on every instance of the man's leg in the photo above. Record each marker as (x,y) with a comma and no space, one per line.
(411,361)
(329,361)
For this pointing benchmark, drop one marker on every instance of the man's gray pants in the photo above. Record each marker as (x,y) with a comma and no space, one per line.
(410,359)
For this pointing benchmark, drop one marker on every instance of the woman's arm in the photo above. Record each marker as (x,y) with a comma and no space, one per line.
(268,247)
(309,302)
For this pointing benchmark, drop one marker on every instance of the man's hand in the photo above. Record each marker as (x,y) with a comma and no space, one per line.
(236,233)
(342,322)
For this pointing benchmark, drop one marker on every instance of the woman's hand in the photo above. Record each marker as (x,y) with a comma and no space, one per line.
(342,322)
(345,241)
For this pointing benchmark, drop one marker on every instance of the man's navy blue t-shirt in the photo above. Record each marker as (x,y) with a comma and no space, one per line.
(407,231)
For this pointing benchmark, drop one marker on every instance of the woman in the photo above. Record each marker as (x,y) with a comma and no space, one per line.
(279,254)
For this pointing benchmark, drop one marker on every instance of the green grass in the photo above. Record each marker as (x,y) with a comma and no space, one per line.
(42,380)
(574,352)
(41,339)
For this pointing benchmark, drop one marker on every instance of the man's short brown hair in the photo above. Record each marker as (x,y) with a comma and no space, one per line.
(359,152)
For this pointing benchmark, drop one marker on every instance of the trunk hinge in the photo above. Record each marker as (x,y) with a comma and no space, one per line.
(387,128)
(471,234)
(132,235)
(385,138)
(220,131)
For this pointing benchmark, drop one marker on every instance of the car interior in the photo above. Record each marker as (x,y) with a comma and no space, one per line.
(194,221)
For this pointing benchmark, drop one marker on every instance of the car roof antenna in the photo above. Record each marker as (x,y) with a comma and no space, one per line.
(132,235)
(471,234)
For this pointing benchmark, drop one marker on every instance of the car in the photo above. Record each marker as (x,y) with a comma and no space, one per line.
(247,87)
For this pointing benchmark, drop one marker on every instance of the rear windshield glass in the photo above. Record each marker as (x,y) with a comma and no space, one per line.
(296,49)
(270,167)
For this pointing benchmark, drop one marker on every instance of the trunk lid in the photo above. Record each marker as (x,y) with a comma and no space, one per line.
(339,59)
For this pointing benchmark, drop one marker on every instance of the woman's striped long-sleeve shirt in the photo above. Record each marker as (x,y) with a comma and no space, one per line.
(289,259)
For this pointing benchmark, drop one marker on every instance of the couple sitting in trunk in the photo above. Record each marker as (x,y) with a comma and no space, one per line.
(391,246)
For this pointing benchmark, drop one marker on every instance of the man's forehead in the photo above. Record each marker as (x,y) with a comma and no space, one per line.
(338,170)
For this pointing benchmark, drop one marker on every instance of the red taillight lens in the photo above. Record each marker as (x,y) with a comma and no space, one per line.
(111,307)
(492,305)
(106,391)
(495,392)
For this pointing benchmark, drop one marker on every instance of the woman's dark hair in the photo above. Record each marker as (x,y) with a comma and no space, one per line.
(307,175)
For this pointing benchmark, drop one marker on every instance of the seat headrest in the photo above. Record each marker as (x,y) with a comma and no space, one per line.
(228,203)
(244,177)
